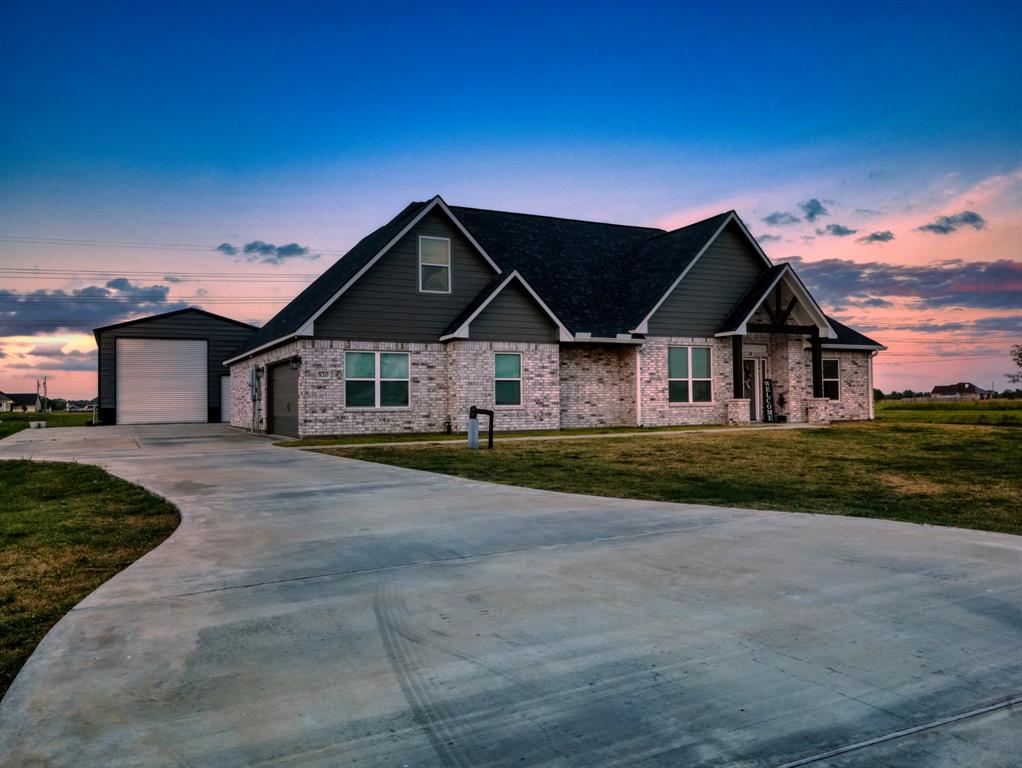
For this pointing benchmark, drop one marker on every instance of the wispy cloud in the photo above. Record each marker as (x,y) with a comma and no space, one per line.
(813,209)
(267,253)
(837,230)
(945,225)
(56,359)
(883,236)
(768,238)
(981,284)
(781,219)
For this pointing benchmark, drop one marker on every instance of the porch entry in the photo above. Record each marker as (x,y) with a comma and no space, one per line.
(753,374)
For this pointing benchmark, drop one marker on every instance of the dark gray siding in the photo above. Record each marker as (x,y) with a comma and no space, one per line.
(714,285)
(513,316)
(223,337)
(386,305)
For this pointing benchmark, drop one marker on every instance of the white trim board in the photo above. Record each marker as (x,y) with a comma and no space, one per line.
(463,332)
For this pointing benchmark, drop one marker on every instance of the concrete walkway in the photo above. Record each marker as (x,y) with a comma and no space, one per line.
(317,611)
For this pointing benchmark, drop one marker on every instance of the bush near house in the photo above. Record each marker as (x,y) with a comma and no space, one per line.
(64,530)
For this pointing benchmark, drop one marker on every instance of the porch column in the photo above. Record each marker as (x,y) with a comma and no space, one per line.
(737,373)
(817,353)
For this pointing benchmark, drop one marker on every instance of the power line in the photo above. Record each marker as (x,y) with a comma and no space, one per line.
(79,242)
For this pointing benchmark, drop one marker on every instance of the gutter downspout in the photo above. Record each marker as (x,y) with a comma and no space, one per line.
(638,385)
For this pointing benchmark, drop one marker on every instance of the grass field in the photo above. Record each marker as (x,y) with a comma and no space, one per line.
(1007,413)
(15,422)
(64,530)
(945,474)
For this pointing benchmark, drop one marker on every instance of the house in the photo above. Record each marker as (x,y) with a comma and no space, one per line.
(554,323)
(5,403)
(167,367)
(963,390)
(25,402)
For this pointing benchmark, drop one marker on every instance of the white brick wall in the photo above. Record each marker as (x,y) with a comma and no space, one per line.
(656,409)
(597,385)
(470,381)
(562,386)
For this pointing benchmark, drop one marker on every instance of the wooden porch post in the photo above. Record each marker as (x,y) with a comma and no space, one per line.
(817,351)
(736,366)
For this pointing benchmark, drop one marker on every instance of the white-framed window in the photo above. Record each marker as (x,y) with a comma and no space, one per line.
(434,264)
(688,375)
(831,385)
(507,378)
(376,379)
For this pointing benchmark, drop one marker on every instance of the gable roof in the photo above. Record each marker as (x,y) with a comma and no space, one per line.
(24,398)
(4,396)
(192,310)
(596,280)
(850,338)
(961,388)
(738,318)
(459,327)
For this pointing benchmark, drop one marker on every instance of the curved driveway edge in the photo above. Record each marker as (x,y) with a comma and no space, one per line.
(317,611)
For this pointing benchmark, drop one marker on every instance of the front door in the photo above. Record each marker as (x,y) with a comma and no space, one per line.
(753,370)
(282,400)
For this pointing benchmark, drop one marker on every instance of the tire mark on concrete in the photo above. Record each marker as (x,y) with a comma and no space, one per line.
(429,714)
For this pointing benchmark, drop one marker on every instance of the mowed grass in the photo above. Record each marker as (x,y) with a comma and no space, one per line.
(1005,413)
(15,422)
(64,530)
(943,474)
(418,437)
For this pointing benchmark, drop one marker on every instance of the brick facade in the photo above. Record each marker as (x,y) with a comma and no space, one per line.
(597,384)
(563,386)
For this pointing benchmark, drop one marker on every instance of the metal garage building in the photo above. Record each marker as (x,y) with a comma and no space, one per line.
(167,368)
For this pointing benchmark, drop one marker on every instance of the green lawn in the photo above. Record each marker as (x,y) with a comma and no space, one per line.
(15,422)
(411,437)
(944,474)
(64,530)
(1006,413)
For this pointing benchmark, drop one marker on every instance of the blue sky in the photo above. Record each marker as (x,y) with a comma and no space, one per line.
(313,123)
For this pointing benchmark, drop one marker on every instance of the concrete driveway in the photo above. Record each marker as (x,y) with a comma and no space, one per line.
(314,611)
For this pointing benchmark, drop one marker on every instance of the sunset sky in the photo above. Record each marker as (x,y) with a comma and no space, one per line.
(877,146)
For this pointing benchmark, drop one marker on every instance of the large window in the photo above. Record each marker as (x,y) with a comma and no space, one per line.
(688,375)
(434,265)
(507,381)
(376,379)
(831,387)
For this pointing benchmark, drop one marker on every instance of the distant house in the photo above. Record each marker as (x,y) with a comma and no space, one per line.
(5,403)
(963,390)
(25,402)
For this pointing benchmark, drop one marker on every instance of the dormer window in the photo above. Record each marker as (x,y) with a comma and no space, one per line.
(434,265)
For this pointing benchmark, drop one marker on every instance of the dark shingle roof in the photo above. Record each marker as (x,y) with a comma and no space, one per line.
(849,337)
(24,398)
(577,267)
(961,388)
(597,278)
(305,304)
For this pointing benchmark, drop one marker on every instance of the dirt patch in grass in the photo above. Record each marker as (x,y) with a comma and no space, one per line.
(965,476)
(64,530)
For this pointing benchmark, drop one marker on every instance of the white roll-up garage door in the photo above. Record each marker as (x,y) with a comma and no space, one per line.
(161,381)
